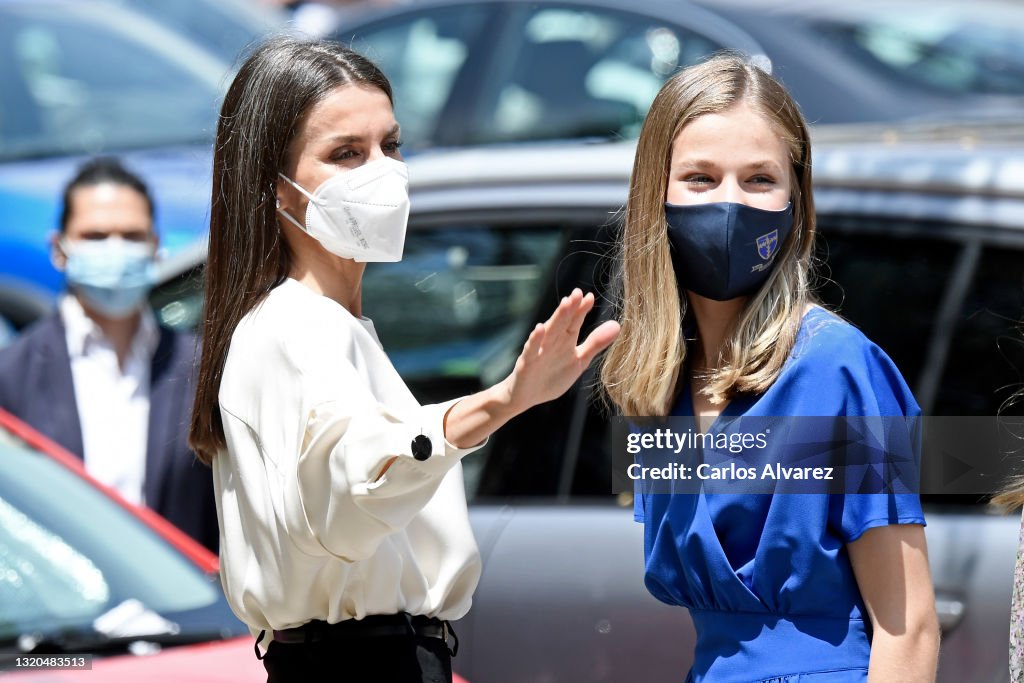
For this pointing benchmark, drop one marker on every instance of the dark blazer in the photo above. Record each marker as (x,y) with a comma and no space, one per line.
(36,386)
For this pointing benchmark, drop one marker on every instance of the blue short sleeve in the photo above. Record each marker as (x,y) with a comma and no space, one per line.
(878,393)
(862,511)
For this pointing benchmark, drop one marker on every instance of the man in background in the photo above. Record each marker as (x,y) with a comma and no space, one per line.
(99,376)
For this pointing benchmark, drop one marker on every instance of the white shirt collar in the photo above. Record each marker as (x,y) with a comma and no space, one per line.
(81,331)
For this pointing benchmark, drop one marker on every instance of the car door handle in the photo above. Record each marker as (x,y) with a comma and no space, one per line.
(950,610)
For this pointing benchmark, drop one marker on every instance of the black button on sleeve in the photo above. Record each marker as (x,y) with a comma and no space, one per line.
(422,448)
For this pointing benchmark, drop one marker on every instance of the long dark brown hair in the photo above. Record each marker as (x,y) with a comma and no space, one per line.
(276,86)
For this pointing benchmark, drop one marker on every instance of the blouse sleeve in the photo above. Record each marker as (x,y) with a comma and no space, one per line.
(343,502)
(878,393)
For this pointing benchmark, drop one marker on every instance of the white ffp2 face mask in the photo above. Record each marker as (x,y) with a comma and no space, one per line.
(360,214)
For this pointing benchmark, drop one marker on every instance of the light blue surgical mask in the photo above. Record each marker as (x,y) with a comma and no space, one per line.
(113,275)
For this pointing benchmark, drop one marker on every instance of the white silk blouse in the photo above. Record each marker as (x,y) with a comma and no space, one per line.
(310,529)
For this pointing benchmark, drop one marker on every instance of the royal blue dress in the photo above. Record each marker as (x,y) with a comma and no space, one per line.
(767,578)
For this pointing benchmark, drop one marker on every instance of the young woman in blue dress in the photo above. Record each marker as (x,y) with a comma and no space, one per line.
(808,587)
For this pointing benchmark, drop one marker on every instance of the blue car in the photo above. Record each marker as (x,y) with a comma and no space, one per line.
(81,79)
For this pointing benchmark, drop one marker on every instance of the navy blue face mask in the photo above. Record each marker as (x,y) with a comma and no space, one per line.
(724,250)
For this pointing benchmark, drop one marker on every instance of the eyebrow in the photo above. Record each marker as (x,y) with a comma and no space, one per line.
(99,227)
(345,139)
(701,164)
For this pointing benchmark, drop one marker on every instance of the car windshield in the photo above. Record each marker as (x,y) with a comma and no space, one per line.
(958,50)
(80,78)
(75,565)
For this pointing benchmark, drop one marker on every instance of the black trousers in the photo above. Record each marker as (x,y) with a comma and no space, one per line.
(373,659)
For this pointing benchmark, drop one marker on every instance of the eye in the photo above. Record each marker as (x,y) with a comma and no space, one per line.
(762,180)
(344,154)
(698,179)
(393,146)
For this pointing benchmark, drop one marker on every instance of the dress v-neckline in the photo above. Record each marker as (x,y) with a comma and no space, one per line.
(684,408)
(735,408)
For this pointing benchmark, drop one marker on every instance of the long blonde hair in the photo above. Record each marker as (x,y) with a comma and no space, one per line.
(639,372)
(1012,496)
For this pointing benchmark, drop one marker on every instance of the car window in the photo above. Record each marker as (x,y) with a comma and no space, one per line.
(889,285)
(459,300)
(555,449)
(944,49)
(568,72)
(422,55)
(985,364)
(85,79)
(453,312)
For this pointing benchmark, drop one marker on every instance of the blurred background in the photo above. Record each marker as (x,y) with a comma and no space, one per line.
(518,120)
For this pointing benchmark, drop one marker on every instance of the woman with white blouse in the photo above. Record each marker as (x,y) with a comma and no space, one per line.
(344,529)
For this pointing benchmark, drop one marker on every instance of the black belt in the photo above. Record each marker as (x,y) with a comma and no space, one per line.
(370,626)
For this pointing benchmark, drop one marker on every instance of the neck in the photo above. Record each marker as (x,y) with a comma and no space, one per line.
(331,276)
(715,322)
(119,331)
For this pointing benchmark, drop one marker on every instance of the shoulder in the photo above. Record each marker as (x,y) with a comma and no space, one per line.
(826,340)
(36,338)
(295,324)
(21,362)
(841,363)
(289,349)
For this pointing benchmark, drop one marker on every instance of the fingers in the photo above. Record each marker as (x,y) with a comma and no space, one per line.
(535,340)
(562,329)
(561,319)
(583,307)
(598,340)
(568,317)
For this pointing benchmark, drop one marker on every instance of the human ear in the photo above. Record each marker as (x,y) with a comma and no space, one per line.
(57,256)
(280,194)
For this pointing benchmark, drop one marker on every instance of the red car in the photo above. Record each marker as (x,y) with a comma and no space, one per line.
(84,571)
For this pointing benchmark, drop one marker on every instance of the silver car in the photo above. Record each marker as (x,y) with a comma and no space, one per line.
(482,71)
(922,246)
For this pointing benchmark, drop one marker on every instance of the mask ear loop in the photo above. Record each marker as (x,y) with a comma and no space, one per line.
(287,215)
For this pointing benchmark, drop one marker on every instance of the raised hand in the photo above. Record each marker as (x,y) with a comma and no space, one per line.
(551,360)
(549,364)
